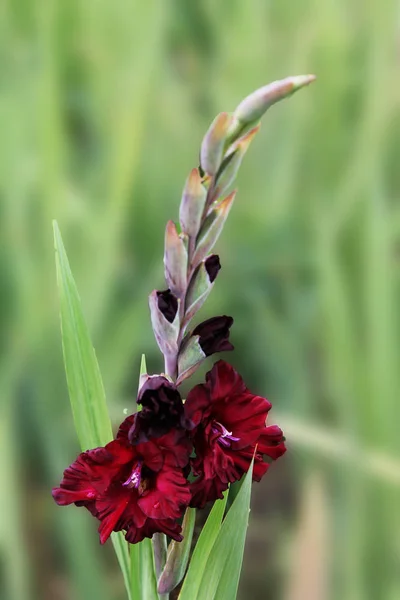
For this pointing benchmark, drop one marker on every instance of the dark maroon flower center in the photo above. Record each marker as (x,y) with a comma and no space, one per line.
(224,437)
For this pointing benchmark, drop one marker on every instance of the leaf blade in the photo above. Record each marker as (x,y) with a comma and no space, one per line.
(225,559)
(85,386)
(202,550)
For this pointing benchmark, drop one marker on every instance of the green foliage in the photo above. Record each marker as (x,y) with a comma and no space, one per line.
(220,578)
(201,553)
(85,386)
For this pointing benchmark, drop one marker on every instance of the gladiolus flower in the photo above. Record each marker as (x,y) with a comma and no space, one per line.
(139,489)
(229,427)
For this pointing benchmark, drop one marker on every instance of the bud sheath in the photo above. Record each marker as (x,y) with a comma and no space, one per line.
(175,260)
(212,147)
(192,204)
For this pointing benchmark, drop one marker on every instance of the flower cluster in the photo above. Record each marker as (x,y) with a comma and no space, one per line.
(173,454)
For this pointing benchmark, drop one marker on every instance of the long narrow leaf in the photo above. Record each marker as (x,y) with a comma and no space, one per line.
(143,579)
(85,385)
(202,551)
(222,571)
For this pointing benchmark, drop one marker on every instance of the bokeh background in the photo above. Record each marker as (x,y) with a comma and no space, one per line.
(102,109)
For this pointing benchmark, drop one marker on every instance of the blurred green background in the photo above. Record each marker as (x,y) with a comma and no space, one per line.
(102,109)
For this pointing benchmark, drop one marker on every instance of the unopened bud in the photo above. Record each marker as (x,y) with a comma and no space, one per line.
(178,555)
(164,312)
(212,227)
(253,107)
(212,147)
(201,285)
(192,204)
(175,259)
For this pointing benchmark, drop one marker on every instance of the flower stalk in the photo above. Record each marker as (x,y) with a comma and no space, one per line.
(171,457)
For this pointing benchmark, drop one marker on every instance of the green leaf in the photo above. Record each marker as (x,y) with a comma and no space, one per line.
(86,391)
(222,571)
(178,555)
(143,579)
(202,551)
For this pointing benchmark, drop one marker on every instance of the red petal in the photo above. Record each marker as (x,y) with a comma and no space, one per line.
(198,404)
(169,496)
(224,381)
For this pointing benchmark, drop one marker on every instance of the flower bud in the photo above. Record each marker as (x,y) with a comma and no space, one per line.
(201,285)
(175,259)
(207,338)
(164,312)
(232,162)
(253,107)
(214,335)
(178,555)
(212,147)
(192,204)
(212,227)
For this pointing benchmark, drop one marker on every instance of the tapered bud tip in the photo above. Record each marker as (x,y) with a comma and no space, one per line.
(167,304)
(212,266)
(221,124)
(171,232)
(224,206)
(300,81)
(214,335)
(194,186)
(254,106)
(246,140)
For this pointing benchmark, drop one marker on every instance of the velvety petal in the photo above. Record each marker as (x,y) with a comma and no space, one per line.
(110,508)
(224,381)
(206,490)
(168,497)
(172,448)
(244,415)
(175,447)
(198,404)
(167,304)
(90,474)
(271,442)
(214,335)
(168,526)
(162,410)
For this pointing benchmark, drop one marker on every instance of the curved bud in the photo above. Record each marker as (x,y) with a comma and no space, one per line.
(212,147)
(232,161)
(190,357)
(175,259)
(201,285)
(178,555)
(192,204)
(213,335)
(164,312)
(212,227)
(254,106)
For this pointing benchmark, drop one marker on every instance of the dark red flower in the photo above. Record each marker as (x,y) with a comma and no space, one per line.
(167,304)
(139,489)
(212,266)
(214,335)
(162,410)
(229,427)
